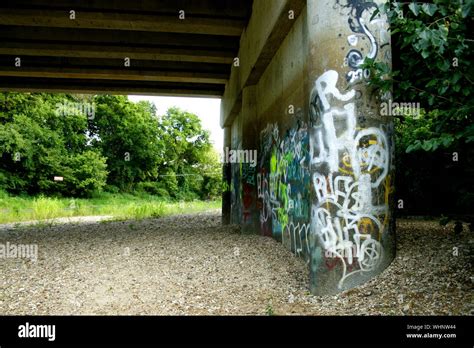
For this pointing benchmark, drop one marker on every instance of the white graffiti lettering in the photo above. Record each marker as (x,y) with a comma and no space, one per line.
(345,218)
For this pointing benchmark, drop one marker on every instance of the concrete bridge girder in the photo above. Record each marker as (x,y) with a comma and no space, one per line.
(166,47)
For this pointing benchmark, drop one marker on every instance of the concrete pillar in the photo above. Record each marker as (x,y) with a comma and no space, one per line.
(351,147)
(226,178)
(250,213)
(236,171)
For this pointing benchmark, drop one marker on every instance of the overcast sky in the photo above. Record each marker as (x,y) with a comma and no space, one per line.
(208,110)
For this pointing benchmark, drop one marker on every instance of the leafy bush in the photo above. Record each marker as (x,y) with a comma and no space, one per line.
(111,189)
(432,65)
(433,54)
(88,174)
(153,188)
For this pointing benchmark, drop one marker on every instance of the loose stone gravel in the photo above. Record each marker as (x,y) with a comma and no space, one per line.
(193,265)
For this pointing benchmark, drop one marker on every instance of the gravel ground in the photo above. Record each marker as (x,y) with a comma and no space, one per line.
(65,220)
(191,264)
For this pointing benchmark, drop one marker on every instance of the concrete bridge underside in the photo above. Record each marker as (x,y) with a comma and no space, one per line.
(175,47)
(293,90)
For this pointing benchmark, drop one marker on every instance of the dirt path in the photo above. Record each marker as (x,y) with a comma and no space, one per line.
(193,265)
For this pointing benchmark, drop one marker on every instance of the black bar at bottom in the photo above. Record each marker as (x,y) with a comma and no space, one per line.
(316,331)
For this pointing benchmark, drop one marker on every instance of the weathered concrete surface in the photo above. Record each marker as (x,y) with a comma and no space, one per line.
(250,213)
(227,179)
(267,27)
(323,183)
(351,147)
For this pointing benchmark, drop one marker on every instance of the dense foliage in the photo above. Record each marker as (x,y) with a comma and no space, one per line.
(112,144)
(432,65)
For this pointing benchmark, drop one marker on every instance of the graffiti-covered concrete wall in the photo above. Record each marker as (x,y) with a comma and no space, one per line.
(323,182)
(351,147)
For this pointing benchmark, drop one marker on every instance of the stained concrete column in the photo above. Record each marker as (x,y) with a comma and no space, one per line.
(351,147)
(236,185)
(226,178)
(250,213)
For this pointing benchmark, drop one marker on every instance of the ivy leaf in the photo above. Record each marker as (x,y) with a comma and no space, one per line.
(413,147)
(429,9)
(466,9)
(425,54)
(432,83)
(442,89)
(425,35)
(446,140)
(431,100)
(427,145)
(410,148)
(405,85)
(443,65)
(415,8)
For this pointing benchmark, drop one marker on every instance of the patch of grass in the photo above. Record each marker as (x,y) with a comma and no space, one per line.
(119,206)
(269,309)
(44,208)
(144,210)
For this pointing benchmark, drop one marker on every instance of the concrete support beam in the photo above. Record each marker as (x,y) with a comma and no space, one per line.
(351,147)
(270,23)
(231,102)
(205,8)
(105,51)
(250,137)
(227,180)
(236,168)
(125,38)
(20,84)
(120,21)
(115,74)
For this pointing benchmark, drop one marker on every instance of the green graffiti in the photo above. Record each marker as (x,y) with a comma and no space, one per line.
(273,162)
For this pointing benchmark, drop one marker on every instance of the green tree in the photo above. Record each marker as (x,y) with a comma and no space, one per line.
(127,134)
(187,144)
(94,140)
(38,143)
(211,170)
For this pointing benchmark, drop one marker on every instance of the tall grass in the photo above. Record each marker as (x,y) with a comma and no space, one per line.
(119,206)
(47,208)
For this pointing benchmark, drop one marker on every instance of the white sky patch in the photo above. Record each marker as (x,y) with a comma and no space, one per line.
(207,109)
